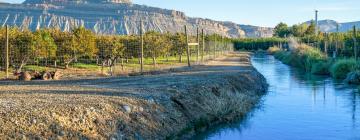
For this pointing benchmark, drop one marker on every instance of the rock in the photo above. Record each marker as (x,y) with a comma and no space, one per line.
(68,14)
(56,75)
(46,76)
(33,121)
(37,75)
(353,78)
(25,76)
(126,108)
(141,109)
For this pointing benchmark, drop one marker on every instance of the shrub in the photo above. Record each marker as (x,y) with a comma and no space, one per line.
(273,50)
(342,67)
(321,68)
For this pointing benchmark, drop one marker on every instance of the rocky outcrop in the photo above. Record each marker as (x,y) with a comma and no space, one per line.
(114,17)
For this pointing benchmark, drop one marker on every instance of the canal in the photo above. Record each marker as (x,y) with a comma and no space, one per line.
(298,106)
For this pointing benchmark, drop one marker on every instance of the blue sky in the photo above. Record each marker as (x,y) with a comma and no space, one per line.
(260,12)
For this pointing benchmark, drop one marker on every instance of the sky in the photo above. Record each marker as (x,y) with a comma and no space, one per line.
(265,13)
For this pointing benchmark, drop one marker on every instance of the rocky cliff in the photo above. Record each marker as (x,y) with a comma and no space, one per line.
(114,17)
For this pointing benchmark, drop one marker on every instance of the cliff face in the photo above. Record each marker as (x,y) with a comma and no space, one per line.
(114,17)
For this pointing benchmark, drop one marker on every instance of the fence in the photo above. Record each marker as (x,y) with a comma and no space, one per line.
(81,53)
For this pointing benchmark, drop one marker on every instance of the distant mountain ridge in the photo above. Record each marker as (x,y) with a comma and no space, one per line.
(115,17)
(330,25)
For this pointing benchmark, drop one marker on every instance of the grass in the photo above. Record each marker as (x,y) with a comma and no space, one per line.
(86,66)
(312,60)
(305,57)
(341,68)
(131,66)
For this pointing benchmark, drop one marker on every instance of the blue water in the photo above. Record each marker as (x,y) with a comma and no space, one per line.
(296,107)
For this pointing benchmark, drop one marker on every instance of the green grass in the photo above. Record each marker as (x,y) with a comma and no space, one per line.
(314,61)
(341,68)
(85,66)
(36,68)
(305,57)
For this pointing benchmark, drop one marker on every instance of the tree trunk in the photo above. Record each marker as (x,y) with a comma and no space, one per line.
(154,61)
(23,63)
(122,64)
(180,58)
(68,63)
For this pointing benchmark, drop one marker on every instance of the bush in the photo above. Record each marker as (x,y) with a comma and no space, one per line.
(342,67)
(273,50)
(321,68)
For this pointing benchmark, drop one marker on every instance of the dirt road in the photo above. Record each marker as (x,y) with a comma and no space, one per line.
(170,105)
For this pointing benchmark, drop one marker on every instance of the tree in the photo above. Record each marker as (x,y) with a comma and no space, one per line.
(179,44)
(311,29)
(281,30)
(298,30)
(23,49)
(154,45)
(110,50)
(45,45)
(65,50)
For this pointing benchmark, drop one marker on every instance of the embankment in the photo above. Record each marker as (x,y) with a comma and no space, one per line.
(172,105)
(313,61)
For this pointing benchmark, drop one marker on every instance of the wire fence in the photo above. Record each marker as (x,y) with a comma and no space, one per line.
(81,53)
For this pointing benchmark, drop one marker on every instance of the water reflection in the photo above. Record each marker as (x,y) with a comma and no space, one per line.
(297,106)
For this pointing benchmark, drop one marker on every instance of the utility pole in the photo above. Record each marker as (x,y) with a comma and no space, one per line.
(142,47)
(316,22)
(187,46)
(7,52)
(355,43)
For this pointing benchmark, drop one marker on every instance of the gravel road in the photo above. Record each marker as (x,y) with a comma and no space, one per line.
(171,105)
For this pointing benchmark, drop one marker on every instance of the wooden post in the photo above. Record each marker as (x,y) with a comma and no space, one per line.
(355,44)
(7,52)
(326,44)
(203,45)
(336,42)
(215,44)
(187,46)
(142,47)
(198,46)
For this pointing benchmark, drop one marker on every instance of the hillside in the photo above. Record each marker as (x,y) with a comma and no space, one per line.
(330,25)
(114,17)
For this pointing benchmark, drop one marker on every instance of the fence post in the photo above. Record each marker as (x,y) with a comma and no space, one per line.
(215,44)
(355,44)
(326,44)
(187,46)
(142,47)
(198,46)
(7,52)
(203,45)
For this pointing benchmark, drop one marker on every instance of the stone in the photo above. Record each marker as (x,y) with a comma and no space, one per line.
(56,75)
(126,108)
(25,76)
(353,78)
(46,76)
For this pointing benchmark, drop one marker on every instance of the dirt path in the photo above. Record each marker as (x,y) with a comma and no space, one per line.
(141,107)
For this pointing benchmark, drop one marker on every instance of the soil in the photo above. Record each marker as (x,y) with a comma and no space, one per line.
(165,105)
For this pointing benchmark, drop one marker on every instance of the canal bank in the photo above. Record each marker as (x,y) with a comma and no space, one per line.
(176,104)
(297,106)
